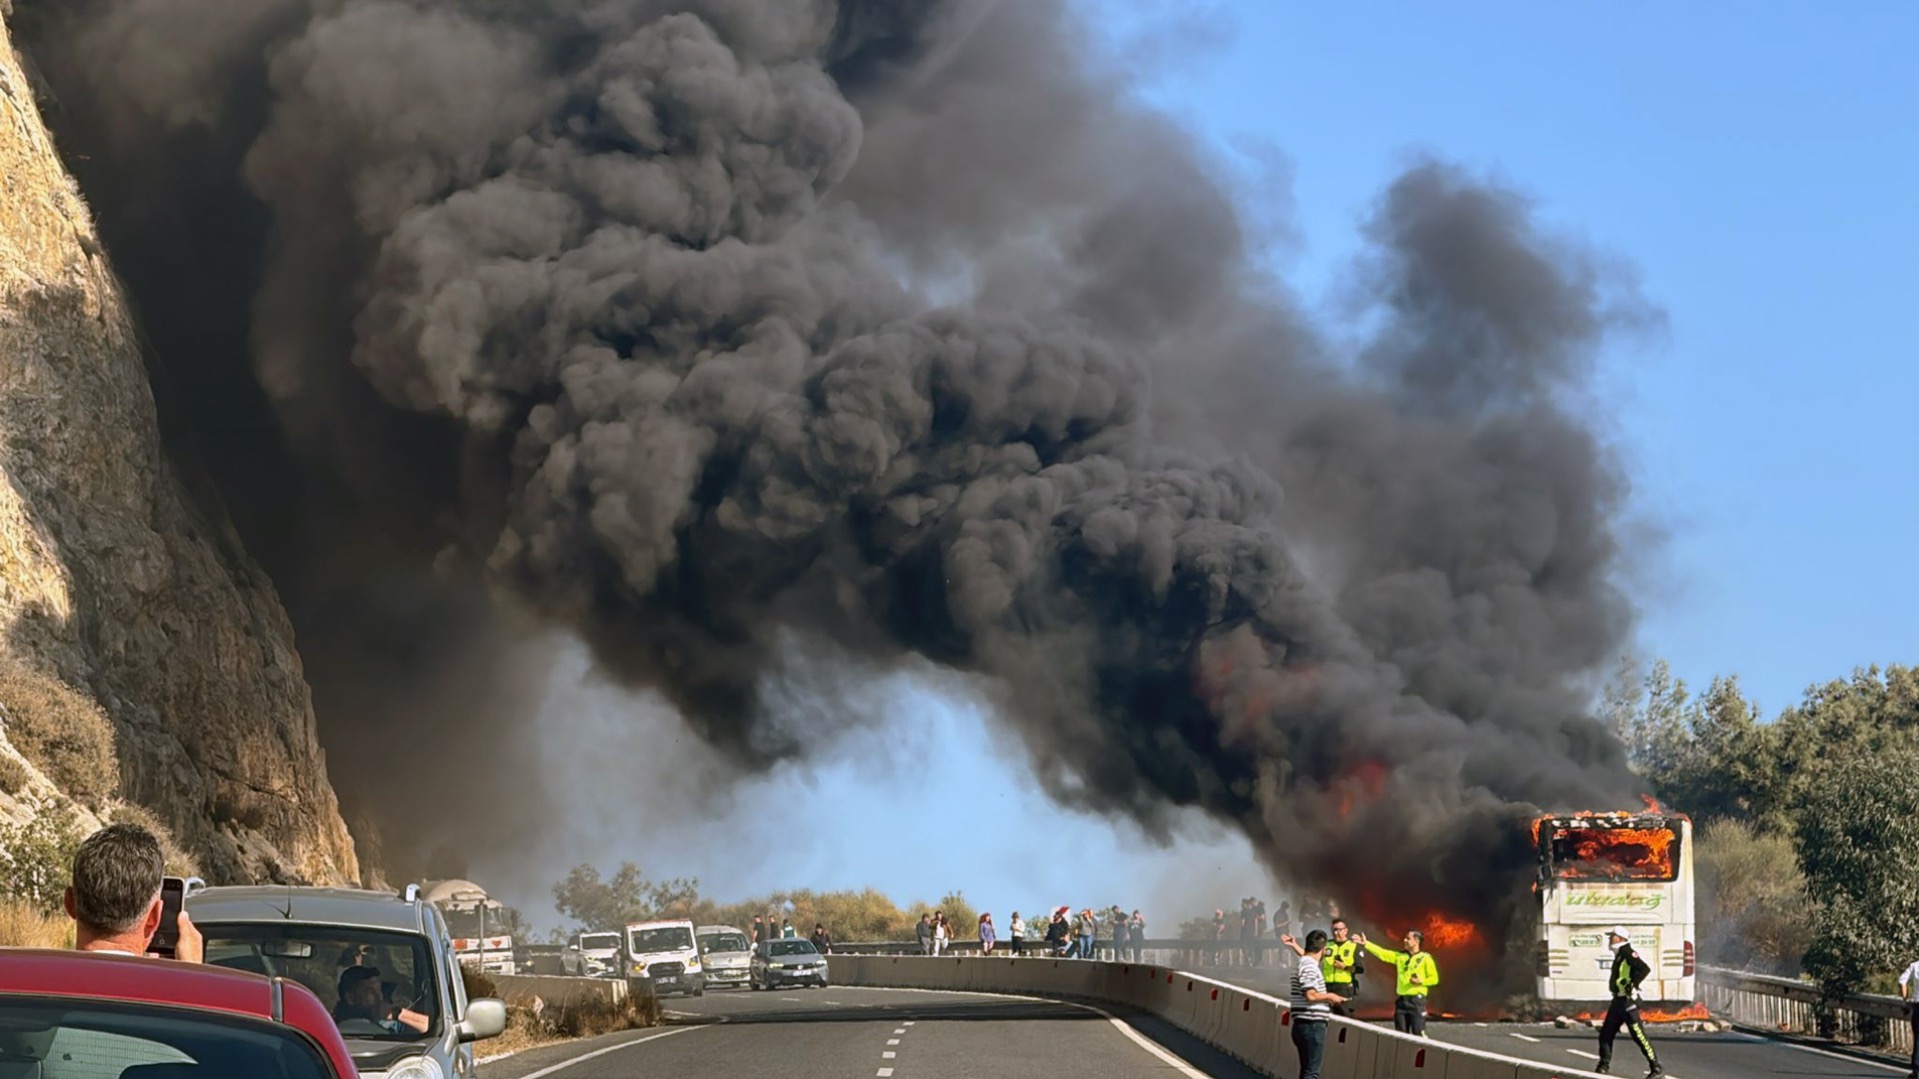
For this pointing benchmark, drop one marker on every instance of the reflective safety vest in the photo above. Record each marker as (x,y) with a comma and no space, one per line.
(1337,953)
(1410,966)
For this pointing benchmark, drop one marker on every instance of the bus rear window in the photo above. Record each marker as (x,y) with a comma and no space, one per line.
(1613,854)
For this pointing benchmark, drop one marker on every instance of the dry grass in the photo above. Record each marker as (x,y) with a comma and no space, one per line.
(13,775)
(179,862)
(61,730)
(25,925)
(560,1023)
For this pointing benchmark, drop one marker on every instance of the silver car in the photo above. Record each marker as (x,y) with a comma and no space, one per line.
(725,954)
(383,962)
(787,961)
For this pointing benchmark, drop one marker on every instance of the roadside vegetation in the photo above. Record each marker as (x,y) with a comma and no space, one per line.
(531,1023)
(61,731)
(1804,826)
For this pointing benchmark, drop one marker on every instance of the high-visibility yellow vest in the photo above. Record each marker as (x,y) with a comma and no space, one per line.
(1410,966)
(1337,953)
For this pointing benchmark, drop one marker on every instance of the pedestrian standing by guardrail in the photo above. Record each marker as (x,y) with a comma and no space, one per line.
(1628,970)
(1909,992)
(1017,927)
(1418,973)
(1137,926)
(1311,1004)
(986,935)
(924,932)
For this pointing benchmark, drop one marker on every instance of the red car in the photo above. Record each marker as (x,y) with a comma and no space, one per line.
(83,1014)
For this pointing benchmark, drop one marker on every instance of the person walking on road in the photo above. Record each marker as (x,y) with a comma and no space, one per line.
(1311,1004)
(986,934)
(1341,966)
(924,932)
(1628,970)
(1417,976)
(1017,934)
(1909,992)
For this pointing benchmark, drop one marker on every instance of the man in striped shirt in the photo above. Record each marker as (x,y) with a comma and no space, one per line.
(1311,1005)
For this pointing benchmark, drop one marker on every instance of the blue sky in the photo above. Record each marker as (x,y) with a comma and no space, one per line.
(1757,164)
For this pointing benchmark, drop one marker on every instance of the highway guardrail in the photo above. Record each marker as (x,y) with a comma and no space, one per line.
(1791,1006)
(1253,1027)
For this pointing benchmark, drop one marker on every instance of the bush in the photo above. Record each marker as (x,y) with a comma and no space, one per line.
(1755,913)
(13,775)
(26,925)
(61,730)
(36,859)
(179,862)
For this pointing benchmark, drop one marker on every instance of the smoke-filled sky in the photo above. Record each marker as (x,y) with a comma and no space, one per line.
(765,345)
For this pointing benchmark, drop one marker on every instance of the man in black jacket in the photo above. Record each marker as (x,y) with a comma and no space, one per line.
(1628,970)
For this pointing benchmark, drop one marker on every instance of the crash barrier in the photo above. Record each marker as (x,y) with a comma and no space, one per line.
(521,990)
(1790,1006)
(1184,954)
(1252,1027)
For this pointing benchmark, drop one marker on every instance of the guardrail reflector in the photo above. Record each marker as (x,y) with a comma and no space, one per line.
(1215,994)
(1419,1059)
(1247,1006)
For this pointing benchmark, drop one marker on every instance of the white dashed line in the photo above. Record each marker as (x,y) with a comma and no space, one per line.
(602,1052)
(886,1073)
(909,1023)
(1583,1053)
(1522,1037)
(889,1055)
(892,1041)
(901,1030)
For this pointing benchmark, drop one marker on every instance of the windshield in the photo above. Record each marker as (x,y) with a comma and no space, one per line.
(792,947)
(379,985)
(468,923)
(56,1040)
(669,938)
(599,942)
(1613,854)
(723,942)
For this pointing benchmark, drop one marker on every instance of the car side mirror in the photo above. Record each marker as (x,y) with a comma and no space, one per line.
(485,1018)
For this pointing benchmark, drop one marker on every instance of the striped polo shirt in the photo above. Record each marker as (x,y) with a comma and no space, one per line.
(1308,976)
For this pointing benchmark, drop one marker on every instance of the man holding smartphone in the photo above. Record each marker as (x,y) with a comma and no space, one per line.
(115,898)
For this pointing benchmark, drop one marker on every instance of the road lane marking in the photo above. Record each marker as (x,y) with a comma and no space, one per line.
(1583,1053)
(892,1041)
(1839,1056)
(1140,1040)
(889,1055)
(885,1073)
(1522,1037)
(909,1023)
(583,1057)
(901,1030)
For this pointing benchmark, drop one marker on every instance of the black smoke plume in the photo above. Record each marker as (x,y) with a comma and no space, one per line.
(696,326)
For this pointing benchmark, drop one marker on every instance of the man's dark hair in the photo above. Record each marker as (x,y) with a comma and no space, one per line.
(1315,940)
(353,976)
(116,874)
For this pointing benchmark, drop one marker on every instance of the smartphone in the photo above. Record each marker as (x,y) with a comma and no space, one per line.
(173,893)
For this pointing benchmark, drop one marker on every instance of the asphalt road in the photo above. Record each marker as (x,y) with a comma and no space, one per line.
(1729,1055)
(879,1033)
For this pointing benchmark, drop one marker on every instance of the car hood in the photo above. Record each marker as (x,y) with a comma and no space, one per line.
(378,1056)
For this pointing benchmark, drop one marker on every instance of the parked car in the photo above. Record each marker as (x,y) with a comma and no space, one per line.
(407,1017)
(727,956)
(76,1015)
(789,961)
(548,960)
(664,959)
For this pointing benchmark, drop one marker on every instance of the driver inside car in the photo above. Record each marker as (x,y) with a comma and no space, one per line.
(364,1008)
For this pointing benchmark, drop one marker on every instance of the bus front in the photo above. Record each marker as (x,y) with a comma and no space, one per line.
(1597,871)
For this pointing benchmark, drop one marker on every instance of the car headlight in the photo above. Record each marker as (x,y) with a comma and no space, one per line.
(417,1068)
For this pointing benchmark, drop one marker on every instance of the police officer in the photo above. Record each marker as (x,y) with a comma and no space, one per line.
(1417,976)
(1628,970)
(1342,967)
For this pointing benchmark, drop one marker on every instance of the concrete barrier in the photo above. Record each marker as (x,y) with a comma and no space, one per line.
(1251,1026)
(520,990)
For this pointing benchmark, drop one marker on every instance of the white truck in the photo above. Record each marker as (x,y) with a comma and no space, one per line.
(665,957)
(476,924)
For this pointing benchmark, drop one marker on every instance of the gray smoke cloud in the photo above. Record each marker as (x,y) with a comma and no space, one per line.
(692,326)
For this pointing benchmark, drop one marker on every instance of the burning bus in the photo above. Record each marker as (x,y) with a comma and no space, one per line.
(1598,870)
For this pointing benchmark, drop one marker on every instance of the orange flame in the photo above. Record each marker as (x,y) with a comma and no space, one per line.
(1443,932)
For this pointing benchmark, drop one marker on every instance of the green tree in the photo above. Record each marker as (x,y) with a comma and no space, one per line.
(1755,913)
(626,897)
(1857,826)
(36,858)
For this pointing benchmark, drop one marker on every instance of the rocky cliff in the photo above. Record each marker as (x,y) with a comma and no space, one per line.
(114,582)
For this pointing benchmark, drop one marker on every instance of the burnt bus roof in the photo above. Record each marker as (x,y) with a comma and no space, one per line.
(1621,819)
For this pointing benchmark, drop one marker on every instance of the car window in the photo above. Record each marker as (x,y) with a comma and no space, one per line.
(793,947)
(724,942)
(395,994)
(593,942)
(52,1039)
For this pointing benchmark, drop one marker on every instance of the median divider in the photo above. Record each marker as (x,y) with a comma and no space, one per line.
(520,990)
(1248,1025)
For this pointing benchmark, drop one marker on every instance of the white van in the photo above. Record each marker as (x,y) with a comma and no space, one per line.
(593,955)
(725,954)
(664,954)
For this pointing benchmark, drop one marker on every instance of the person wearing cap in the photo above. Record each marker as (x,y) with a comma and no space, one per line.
(1909,992)
(1417,976)
(1628,970)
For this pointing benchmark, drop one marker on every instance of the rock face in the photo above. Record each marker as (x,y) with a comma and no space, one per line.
(112,577)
